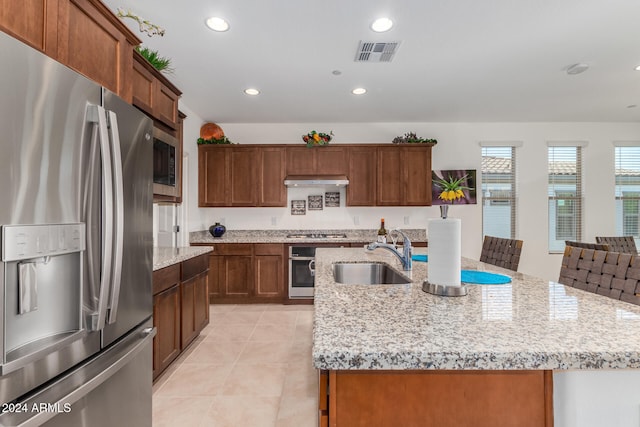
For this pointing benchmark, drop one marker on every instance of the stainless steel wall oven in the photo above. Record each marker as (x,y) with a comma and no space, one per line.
(302,262)
(301,271)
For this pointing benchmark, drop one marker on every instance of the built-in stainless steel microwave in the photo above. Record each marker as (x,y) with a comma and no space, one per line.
(167,160)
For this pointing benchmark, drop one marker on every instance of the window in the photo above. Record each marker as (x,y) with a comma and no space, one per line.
(627,159)
(565,195)
(499,191)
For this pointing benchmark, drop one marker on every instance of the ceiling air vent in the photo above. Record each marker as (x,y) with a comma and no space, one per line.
(376,51)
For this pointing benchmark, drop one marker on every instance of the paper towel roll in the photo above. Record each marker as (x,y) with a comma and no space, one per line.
(444,251)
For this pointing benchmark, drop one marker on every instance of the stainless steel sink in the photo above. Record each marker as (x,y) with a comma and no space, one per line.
(367,274)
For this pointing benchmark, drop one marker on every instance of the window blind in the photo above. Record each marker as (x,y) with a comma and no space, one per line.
(499,191)
(627,190)
(565,195)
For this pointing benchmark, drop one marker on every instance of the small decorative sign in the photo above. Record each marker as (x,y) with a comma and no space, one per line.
(298,207)
(315,203)
(332,199)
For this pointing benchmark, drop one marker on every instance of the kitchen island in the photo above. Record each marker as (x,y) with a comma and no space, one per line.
(528,353)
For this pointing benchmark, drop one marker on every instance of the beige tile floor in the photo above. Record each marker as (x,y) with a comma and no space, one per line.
(250,367)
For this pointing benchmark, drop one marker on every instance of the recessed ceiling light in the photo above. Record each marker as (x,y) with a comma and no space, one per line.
(359,91)
(336,72)
(381,25)
(577,68)
(217,24)
(251,91)
(632,105)
(637,68)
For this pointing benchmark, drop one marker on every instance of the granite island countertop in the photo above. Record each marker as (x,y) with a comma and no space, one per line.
(526,324)
(167,256)
(280,236)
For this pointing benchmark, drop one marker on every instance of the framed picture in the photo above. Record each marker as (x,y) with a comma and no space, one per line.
(469,182)
(332,199)
(315,203)
(298,207)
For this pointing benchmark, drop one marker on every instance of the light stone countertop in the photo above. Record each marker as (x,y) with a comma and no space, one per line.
(280,236)
(527,324)
(166,256)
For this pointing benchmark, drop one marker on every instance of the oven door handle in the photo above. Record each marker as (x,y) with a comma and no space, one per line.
(312,267)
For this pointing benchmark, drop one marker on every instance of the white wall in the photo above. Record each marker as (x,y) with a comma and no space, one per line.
(457,148)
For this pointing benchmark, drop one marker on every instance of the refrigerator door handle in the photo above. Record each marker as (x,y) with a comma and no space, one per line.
(118,195)
(100,117)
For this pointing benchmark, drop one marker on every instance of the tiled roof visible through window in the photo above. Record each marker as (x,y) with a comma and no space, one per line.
(498,165)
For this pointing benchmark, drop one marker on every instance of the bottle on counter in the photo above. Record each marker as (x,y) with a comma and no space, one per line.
(382,232)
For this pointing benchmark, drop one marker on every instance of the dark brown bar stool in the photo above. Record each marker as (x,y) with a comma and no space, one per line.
(501,252)
(622,244)
(588,245)
(606,273)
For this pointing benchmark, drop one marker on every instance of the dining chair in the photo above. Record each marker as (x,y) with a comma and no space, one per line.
(601,272)
(623,244)
(588,245)
(501,252)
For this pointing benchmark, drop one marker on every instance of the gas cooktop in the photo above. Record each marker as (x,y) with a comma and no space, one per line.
(317,236)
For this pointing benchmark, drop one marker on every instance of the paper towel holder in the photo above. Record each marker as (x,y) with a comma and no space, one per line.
(445,291)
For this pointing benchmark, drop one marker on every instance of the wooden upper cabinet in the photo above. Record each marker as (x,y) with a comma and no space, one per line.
(211,175)
(236,175)
(417,165)
(332,160)
(361,190)
(317,160)
(82,34)
(227,176)
(153,93)
(300,160)
(241,178)
(143,84)
(253,175)
(404,176)
(390,176)
(271,169)
(29,21)
(96,43)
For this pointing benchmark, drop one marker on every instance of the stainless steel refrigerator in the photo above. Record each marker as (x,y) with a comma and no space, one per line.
(76,231)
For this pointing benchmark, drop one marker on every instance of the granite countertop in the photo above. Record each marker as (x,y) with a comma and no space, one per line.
(166,256)
(526,324)
(280,236)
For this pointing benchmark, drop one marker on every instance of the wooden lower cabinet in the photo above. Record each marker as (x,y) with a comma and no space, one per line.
(166,317)
(180,308)
(242,273)
(268,263)
(436,398)
(194,308)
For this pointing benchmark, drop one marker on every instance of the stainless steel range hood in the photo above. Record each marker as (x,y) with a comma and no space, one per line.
(316,180)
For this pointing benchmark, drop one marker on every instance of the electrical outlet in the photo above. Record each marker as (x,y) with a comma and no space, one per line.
(356,220)
(222,221)
(406,220)
(273,220)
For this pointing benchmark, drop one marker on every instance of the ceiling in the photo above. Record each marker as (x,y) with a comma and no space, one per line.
(458,61)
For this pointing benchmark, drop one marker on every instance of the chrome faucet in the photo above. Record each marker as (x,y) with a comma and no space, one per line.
(404,257)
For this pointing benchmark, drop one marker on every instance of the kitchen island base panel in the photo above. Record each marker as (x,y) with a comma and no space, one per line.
(439,398)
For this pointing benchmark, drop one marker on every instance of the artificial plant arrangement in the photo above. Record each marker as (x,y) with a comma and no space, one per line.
(222,140)
(314,138)
(412,138)
(158,62)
